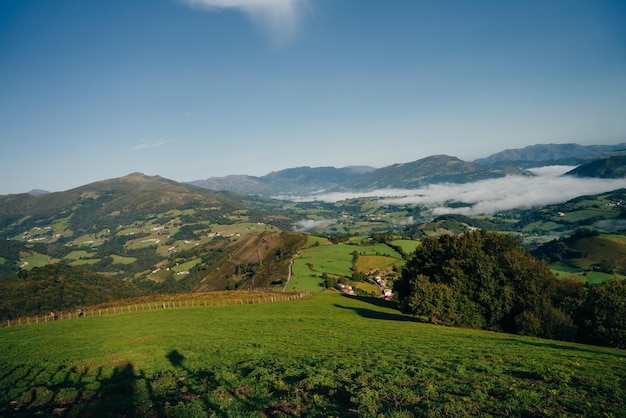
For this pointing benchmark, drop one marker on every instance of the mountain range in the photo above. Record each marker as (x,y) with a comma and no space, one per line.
(168,236)
(304,181)
(434,169)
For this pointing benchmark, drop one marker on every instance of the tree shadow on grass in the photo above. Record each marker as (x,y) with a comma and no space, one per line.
(380,302)
(564,347)
(373,314)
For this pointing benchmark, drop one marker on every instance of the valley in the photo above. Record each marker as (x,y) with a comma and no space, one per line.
(289,307)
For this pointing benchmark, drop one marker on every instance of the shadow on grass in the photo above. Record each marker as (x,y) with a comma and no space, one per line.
(380,302)
(373,314)
(69,392)
(62,391)
(567,346)
(123,391)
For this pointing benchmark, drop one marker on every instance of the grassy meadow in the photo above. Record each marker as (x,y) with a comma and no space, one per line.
(324,355)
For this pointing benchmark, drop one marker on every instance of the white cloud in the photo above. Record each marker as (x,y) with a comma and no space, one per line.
(491,196)
(308,224)
(280,18)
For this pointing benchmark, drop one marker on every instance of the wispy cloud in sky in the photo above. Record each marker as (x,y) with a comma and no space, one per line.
(280,18)
(148,144)
(549,186)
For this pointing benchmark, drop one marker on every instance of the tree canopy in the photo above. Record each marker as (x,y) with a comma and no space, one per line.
(478,279)
(488,280)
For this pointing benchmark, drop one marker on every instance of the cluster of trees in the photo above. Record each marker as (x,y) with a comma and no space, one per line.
(58,287)
(488,280)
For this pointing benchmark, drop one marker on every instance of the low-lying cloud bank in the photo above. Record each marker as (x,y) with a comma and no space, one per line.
(549,186)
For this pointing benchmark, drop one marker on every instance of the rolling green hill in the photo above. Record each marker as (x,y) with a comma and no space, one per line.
(587,252)
(124,226)
(325,355)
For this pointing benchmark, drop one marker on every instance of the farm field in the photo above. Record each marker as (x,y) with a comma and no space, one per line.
(336,260)
(324,355)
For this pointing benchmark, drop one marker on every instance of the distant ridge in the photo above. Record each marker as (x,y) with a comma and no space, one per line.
(291,181)
(548,154)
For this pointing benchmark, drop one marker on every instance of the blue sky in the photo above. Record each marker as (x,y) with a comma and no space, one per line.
(190,89)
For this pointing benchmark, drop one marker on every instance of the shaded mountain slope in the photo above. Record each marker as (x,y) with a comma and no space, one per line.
(610,167)
(252,261)
(429,170)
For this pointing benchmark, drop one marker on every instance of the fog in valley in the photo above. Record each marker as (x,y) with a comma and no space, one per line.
(548,186)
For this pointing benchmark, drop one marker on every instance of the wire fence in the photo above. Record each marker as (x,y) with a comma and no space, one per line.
(249,299)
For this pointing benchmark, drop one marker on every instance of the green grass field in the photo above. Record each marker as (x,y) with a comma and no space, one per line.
(563,270)
(118,259)
(186,266)
(407,245)
(324,355)
(34,260)
(79,254)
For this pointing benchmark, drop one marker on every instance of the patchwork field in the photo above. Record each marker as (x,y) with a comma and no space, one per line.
(337,261)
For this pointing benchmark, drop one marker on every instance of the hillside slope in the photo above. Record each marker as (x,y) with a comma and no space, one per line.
(58,287)
(325,355)
(106,204)
(253,261)
(124,226)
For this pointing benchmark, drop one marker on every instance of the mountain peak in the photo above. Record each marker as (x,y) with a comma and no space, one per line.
(137,176)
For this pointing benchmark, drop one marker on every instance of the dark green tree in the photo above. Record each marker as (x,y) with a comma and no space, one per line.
(604,317)
(478,279)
